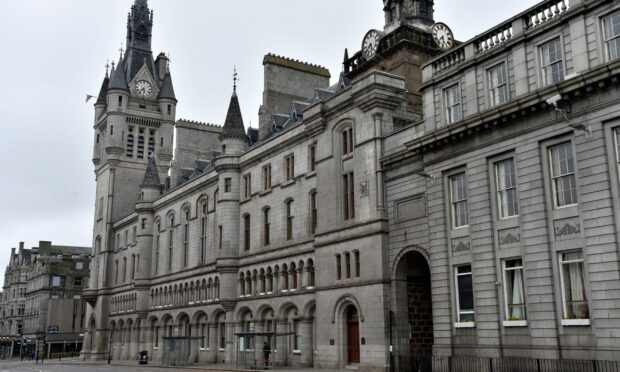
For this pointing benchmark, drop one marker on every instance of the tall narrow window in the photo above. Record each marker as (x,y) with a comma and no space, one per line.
(348,188)
(186,238)
(247,183)
(132,276)
(216,198)
(563,174)
(452,99)
(465,294)
(513,290)
(219,237)
(266,226)
(313,213)
(338,267)
(203,336)
(151,146)
(347,265)
(169,109)
(347,141)
(506,182)
(157,245)
(170,243)
(356,257)
(290,218)
(458,200)
(617,139)
(611,35)
(267,177)
(129,149)
(124,269)
(227,184)
(222,332)
(203,232)
(573,286)
(246,232)
(116,272)
(289,164)
(552,62)
(312,157)
(140,147)
(120,101)
(498,85)
(310,273)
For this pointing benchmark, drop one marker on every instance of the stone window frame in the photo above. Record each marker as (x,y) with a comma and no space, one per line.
(266,233)
(508,322)
(312,212)
(540,58)
(157,242)
(562,263)
(460,323)
(186,218)
(552,178)
(604,37)
(502,63)
(289,219)
(495,183)
(452,202)
(447,109)
(289,167)
(202,210)
(247,185)
(247,232)
(312,158)
(267,180)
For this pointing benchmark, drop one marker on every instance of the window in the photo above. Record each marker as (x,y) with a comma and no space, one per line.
(77,281)
(289,220)
(55,282)
(347,265)
(227,184)
(551,61)
(157,226)
(246,232)
(297,338)
(356,256)
(203,232)
(573,287)
(506,183)
(313,213)
(465,294)
(498,85)
(289,163)
(347,141)
(348,196)
(513,290)
(611,35)
(170,244)
(216,198)
(617,139)
(169,109)
(563,175)
(186,239)
(222,331)
(133,267)
(453,104)
(310,274)
(458,200)
(76,296)
(267,177)
(124,269)
(116,272)
(151,146)
(134,234)
(120,101)
(129,149)
(312,157)
(338,267)
(247,183)
(266,227)
(203,336)
(219,244)
(79,265)
(140,147)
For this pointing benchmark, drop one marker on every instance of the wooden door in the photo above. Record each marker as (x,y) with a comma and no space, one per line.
(353,336)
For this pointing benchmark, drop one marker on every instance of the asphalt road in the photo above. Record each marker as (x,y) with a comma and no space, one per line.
(31,367)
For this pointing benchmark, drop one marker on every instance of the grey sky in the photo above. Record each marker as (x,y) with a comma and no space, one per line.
(54,53)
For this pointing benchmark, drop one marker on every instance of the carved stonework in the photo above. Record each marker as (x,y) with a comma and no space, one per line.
(509,237)
(566,227)
(459,246)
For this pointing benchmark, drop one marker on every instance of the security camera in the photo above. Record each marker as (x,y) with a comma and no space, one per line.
(553,101)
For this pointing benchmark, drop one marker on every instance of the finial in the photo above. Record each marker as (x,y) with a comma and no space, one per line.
(112,65)
(107,67)
(121,51)
(235,79)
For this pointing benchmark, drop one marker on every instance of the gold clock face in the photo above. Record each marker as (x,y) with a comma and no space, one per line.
(442,35)
(370,44)
(143,88)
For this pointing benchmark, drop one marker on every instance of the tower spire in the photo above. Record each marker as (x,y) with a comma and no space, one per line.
(235,79)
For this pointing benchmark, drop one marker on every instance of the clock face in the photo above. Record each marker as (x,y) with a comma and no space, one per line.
(143,88)
(370,44)
(442,35)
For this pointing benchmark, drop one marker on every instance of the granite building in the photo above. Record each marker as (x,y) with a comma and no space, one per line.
(440,199)
(41,306)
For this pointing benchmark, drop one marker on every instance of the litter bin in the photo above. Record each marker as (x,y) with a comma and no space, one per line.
(144,357)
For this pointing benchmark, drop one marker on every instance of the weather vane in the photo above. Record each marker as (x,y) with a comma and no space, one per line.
(121,50)
(235,79)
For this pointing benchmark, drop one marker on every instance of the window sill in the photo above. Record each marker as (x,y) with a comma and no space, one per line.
(465,325)
(311,174)
(514,323)
(288,183)
(265,192)
(298,352)
(575,322)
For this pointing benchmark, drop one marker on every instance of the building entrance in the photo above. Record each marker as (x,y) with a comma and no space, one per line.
(353,336)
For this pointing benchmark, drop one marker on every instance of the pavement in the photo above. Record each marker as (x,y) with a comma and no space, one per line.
(77,365)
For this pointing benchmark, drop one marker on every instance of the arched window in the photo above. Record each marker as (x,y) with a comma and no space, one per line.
(241,284)
(203,231)
(185,237)
(170,240)
(133,267)
(266,226)
(141,147)
(124,269)
(129,149)
(116,272)
(290,219)
(157,245)
(313,212)
(284,277)
(347,141)
(151,146)
(293,276)
(246,232)
(310,269)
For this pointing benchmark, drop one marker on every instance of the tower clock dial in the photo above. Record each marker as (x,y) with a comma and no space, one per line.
(442,35)
(143,88)
(371,44)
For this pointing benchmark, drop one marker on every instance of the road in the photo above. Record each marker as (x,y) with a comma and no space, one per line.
(11,366)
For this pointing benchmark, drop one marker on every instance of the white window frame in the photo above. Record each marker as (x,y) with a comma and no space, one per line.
(501,85)
(565,319)
(454,108)
(505,269)
(555,178)
(454,203)
(460,323)
(543,67)
(607,39)
(617,143)
(502,191)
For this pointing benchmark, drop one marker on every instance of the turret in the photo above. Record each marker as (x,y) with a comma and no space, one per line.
(233,136)
(100,107)
(150,188)
(117,101)
(167,105)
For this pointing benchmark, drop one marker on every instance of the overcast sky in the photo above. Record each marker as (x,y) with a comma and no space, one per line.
(54,53)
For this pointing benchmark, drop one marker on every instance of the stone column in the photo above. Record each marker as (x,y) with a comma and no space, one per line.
(230,335)
(282,342)
(212,343)
(307,351)
(193,347)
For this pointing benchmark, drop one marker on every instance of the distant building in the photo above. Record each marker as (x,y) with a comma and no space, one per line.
(41,305)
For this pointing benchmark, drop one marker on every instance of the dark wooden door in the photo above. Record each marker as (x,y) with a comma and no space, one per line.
(353,336)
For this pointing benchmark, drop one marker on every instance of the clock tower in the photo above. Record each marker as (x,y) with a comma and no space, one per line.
(134,122)
(404,45)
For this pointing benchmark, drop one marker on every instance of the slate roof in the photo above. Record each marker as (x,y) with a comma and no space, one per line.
(151,176)
(118,78)
(104,90)
(167,89)
(233,126)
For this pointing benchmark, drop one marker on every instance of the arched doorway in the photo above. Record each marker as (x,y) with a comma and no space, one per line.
(352,335)
(412,314)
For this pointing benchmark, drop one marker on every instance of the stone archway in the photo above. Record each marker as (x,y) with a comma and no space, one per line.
(412,312)
(352,335)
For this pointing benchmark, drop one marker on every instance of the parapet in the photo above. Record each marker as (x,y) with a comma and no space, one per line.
(296,65)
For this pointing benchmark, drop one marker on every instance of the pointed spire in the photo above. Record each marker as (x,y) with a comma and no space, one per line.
(346,54)
(233,126)
(104,88)
(167,89)
(118,77)
(151,176)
